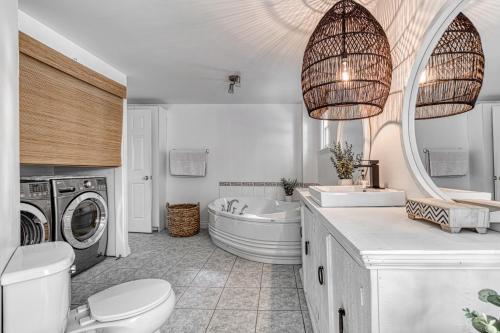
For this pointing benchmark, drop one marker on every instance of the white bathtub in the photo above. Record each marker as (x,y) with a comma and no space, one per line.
(268,230)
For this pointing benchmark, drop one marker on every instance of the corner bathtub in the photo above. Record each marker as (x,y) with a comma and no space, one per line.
(268,230)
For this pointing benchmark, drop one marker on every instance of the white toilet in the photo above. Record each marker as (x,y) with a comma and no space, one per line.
(36,292)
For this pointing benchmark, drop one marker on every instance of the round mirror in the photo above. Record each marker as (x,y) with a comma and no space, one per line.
(352,132)
(451,121)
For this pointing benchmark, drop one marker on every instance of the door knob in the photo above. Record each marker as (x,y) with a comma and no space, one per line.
(146,178)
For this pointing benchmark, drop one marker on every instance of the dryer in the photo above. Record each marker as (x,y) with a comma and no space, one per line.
(81,217)
(36,212)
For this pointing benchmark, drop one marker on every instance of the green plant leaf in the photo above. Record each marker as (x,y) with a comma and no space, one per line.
(494,299)
(289,185)
(479,324)
(485,293)
(343,160)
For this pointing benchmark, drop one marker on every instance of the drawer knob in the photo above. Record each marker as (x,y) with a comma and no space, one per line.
(307,248)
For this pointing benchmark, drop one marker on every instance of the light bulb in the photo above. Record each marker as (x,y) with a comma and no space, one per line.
(345,70)
(423,77)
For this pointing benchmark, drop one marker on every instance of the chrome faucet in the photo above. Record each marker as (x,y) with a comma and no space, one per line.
(244,207)
(230,204)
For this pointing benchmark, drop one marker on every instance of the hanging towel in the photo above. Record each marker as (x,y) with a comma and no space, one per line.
(188,162)
(448,162)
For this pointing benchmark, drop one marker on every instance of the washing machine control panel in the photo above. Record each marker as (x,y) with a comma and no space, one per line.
(35,190)
(72,186)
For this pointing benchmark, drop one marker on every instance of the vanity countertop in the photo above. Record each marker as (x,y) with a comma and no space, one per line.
(384,237)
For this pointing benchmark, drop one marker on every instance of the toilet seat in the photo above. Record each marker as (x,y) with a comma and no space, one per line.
(140,306)
(128,299)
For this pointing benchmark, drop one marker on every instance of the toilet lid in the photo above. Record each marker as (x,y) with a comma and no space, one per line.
(128,299)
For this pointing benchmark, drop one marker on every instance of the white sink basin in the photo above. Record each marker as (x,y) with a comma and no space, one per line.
(356,196)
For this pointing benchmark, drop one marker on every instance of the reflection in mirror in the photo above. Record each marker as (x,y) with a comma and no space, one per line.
(355,133)
(461,152)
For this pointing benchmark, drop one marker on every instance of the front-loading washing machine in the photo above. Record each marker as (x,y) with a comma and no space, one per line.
(81,217)
(36,212)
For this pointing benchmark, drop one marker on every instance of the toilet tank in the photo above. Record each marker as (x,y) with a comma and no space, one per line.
(36,288)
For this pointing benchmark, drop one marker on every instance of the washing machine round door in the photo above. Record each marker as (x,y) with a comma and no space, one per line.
(84,220)
(34,225)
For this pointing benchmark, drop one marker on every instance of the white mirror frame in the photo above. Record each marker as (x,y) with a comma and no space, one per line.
(438,26)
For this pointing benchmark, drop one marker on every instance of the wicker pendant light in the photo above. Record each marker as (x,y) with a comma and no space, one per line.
(347,67)
(453,78)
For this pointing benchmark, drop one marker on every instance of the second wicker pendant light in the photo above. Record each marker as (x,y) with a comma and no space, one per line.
(453,77)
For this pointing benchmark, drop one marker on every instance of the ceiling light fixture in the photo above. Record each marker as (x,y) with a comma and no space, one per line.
(453,77)
(234,81)
(347,67)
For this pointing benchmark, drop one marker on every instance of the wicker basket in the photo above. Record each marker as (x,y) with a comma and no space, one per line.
(183,219)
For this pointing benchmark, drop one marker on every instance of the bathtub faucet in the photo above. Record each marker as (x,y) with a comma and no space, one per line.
(244,207)
(230,204)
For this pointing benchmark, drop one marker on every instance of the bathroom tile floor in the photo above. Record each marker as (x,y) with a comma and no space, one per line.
(216,291)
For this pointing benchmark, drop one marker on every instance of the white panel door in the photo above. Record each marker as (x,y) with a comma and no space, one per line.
(139,170)
(350,301)
(496,149)
(309,264)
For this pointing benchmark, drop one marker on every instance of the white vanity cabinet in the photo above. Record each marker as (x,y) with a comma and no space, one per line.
(336,287)
(388,274)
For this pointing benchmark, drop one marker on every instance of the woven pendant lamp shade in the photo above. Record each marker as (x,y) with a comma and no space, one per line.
(454,74)
(347,66)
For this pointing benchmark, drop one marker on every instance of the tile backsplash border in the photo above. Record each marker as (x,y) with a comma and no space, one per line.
(270,190)
(299,185)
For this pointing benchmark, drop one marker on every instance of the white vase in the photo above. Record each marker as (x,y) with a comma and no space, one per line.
(345,182)
(288,198)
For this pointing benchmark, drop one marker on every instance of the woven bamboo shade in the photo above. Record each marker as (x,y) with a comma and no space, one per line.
(454,74)
(347,67)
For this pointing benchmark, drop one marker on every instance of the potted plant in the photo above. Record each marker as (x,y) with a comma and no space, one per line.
(289,186)
(344,162)
(482,322)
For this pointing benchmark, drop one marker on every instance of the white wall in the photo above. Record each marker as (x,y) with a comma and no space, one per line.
(340,131)
(9,134)
(57,41)
(251,142)
(117,201)
(405,23)
(311,145)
